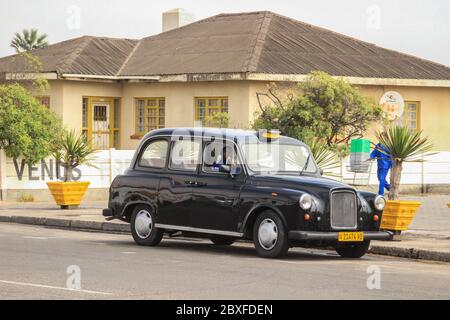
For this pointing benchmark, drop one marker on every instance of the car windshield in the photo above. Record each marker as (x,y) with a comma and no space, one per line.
(273,158)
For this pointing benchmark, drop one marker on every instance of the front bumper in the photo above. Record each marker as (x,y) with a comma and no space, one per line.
(108,213)
(296,235)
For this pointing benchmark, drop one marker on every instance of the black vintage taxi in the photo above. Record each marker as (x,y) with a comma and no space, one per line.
(228,184)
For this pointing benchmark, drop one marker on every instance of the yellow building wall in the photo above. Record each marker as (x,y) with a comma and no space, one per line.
(66,98)
(434,110)
(66,101)
(74,91)
(179,98)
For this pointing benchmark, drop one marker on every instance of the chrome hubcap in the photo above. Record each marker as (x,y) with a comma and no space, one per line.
(143,224)
(267,234)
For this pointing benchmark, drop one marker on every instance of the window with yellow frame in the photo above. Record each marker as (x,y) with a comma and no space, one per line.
(411,115)
(208,106)
(150,114)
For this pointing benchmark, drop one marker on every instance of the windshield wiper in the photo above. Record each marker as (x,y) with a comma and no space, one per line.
(306,164)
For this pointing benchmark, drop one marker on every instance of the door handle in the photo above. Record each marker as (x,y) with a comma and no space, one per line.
(189,182)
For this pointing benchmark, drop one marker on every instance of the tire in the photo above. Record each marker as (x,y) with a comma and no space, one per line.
(269,225)
(353,251)
(222,241)
(152,236)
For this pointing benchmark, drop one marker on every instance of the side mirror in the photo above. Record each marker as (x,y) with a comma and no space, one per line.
(321,171)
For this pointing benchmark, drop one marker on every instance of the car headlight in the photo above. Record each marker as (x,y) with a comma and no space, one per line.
(379,202)
(305,201)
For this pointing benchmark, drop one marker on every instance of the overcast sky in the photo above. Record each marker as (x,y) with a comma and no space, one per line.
(418,27)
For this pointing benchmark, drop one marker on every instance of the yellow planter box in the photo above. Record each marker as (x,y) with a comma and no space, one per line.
(398,214)
(68,193)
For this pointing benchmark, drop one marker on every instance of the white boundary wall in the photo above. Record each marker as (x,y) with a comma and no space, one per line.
(108,164)
(434,170)
(16,175)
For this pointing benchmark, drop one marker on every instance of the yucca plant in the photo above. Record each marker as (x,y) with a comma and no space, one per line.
(71,151)
(325,158)
(403,145)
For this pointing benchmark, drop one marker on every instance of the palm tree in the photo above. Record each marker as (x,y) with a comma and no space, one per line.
(403,145)
(28,40)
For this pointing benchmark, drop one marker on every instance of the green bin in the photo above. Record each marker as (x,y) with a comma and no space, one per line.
(360,146)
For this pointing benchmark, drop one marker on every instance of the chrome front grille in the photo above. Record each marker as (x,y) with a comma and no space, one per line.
(343,210)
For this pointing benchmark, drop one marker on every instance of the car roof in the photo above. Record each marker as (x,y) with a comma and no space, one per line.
(232,134)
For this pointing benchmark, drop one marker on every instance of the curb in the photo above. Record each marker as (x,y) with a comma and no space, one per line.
(111,227)
(107,227)
(411,253)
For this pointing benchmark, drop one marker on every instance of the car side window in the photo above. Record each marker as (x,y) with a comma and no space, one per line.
(155,154)
(184,155)
(218,153)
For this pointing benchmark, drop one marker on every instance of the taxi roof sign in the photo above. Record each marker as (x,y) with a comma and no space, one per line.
(270,135)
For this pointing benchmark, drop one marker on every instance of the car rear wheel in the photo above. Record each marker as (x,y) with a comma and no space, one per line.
(353,251)
(222,241)
(143,227)
(269,235)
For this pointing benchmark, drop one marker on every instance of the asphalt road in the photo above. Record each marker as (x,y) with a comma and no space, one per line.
(34,262)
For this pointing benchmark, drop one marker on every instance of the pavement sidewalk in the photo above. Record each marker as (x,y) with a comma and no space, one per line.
(88,216)
(428,237)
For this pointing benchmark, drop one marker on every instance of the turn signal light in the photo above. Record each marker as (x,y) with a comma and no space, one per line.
(307,217)
(376,217)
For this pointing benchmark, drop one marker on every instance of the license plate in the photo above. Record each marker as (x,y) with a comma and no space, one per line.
(351,236)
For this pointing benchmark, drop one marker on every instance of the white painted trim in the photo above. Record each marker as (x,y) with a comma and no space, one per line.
(354,80)
(30,75)
(100,77)
(232,77)
(139,77)
(400,82)
(199,230)
(276,77)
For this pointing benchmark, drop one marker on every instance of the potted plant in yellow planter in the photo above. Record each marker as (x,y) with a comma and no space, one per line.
(71,151)
(403,145)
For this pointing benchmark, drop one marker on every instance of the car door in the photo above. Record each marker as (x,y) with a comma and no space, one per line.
(175,189)
(216,193)
(143,181)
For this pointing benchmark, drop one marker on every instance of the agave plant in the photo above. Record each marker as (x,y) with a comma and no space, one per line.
(71,151)
(325,158)
(403,145)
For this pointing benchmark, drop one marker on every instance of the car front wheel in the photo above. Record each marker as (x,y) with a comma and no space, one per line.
(353,251)
(269,235)
(143,227)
